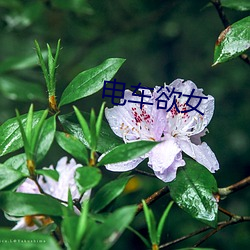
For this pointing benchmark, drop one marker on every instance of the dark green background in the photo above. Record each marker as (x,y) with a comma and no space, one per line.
(162,41)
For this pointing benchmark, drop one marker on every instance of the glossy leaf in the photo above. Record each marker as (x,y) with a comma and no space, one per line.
(127,152)
(90,81)
(10,136)
(18,162)
(19,90)
(46,137)
(73,146)
(107,138)
(193,191)
(87,177)
(241,5)
(105,235)
(233,41)
(20,204)
(8,176)
(108,193)
(16,240)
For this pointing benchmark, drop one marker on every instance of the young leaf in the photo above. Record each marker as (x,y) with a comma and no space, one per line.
(46,138)
(10,136)
(90,81)
(69,230)
(193,191)
(16,240)
(108,193)
(127,152)
(106,234)
(87,177)
(162,221)
(233,41)
(82,223)
(73,146)
(150,219)
(92,127)
(107,138)
(99,121)
(84,125)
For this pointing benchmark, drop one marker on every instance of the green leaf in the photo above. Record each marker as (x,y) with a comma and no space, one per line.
(162,221)
(84,125)
(108,193)
(105,235)
(92,127)
(127,152)
(233,41)
(53,174)
(241,5)
(19,90)
(8,176)
(20,204)
(16,240)
(107,138)
(69,230)
(73,146)
(143,239)
(10,136)
(151,223)
(99,121)
(90,81)
(87,177)
(46,138)
(193,191)
(18,162)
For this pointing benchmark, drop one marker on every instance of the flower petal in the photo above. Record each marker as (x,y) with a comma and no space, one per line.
(29,187)
(165,158)
(133,123)
(201,153)
(191,122)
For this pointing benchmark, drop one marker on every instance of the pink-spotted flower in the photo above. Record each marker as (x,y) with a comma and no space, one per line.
(179,131)
(58,189)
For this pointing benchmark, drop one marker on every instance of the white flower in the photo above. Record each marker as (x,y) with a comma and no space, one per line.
(177,129)
(58,189)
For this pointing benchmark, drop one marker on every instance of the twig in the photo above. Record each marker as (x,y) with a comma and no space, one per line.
(235,220)
(204,229)
(223,192)
(144,173)
(224,211)
(221,225)
(226,23)
(152,198)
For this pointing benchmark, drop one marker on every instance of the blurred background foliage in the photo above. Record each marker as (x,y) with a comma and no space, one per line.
(162,41)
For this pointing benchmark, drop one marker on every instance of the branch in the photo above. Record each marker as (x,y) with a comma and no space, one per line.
(152,198)
(223,192)
(226,23)
(235,220)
